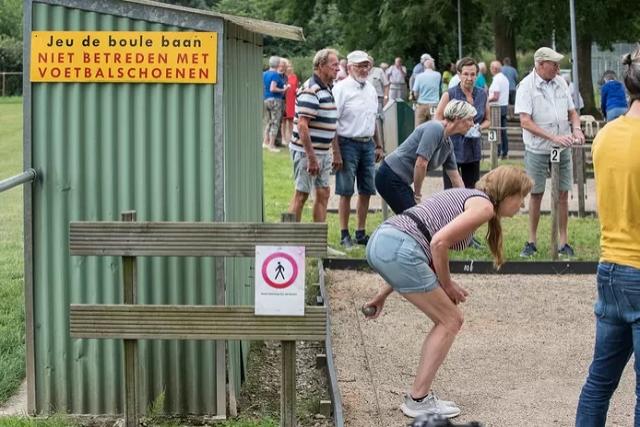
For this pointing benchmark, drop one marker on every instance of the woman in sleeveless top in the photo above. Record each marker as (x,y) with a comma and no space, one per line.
(410,252)
(467,148)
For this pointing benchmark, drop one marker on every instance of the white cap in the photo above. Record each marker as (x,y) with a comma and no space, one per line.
(424,57)
(547,54)
(357,56)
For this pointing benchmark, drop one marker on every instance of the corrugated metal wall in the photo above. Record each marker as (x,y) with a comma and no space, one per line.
(243,163)
(103,149)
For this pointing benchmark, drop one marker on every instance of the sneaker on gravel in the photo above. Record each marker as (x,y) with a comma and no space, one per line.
(445,402)
(528,250)
(429,405)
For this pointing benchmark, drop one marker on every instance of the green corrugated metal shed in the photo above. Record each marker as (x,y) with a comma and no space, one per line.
(171,152)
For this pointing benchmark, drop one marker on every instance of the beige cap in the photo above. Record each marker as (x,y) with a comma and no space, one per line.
(357,56)
(547,54)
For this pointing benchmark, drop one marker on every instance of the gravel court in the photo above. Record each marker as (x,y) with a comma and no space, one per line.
(520,359)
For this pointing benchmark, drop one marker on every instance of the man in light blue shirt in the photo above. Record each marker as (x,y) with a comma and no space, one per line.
(426,91)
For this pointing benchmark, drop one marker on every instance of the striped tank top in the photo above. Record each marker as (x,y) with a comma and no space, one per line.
(434,213)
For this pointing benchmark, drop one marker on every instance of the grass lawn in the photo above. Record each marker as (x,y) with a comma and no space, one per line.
(584,234)
(12,348)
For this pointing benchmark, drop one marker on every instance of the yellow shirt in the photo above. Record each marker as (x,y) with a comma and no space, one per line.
(616,162)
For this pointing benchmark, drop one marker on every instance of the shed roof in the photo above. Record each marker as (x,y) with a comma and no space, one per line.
(267,28)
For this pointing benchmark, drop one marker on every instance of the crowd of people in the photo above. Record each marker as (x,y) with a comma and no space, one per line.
(336,127)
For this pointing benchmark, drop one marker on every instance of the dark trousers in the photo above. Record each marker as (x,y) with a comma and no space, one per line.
(470,173)
(393,190)
(503,149)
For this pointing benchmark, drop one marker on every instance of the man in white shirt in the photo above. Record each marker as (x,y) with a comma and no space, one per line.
(549,119)
(360,144)
(499,94)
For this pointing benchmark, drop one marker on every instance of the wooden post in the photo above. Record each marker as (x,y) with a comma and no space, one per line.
(130,346)
(288,375)
(555,201)
(495,139)
(579,167)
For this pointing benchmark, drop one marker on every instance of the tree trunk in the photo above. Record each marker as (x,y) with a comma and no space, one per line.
(504,38)
(584,74)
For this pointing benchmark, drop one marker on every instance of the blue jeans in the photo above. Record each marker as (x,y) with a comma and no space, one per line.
(617,311)
(614,113)
(358,163)
(393,190)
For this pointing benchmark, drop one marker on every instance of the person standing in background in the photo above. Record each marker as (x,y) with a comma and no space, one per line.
(548,118)
(467,147)
(274,87)
(426,92)
(613,100)
(512,75)
(314,131)
(397,75)
(290,103)
(360,145)
(378,79)
(499,94)
(481,80)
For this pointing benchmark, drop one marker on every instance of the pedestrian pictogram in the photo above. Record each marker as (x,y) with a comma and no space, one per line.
(279,270)
(279,280)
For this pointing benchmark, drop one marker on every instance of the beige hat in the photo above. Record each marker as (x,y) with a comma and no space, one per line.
(357,56)
(547,54)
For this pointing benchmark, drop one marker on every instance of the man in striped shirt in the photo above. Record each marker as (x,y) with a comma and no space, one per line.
(314,131)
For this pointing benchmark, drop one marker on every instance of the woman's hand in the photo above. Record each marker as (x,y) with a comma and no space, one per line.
(377,303)
(455,292)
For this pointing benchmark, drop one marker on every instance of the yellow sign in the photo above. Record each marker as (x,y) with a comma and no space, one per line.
(123,56)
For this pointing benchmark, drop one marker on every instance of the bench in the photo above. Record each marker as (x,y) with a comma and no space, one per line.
(131,322)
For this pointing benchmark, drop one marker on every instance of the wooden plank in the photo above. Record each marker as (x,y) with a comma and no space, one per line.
(193,322)
(192,238)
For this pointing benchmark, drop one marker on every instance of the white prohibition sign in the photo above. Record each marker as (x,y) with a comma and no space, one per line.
(493,135)
(555,155)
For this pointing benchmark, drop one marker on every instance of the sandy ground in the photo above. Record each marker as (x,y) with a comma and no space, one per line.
(520,359)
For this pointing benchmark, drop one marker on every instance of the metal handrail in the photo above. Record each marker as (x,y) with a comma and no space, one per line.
(23,178)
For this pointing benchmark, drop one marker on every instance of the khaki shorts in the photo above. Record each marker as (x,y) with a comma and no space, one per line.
(538,167)
(304,181)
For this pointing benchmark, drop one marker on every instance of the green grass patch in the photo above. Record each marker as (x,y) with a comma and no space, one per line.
(12,347)
(584,233)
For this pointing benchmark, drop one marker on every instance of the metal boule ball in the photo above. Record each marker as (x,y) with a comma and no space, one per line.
(368,310)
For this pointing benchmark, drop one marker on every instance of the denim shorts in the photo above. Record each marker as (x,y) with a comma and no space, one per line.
(304,181)
(358,162)
(538,165)
(400,260)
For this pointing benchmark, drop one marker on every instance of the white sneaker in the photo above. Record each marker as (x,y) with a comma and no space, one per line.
(445,402)
(430,405)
